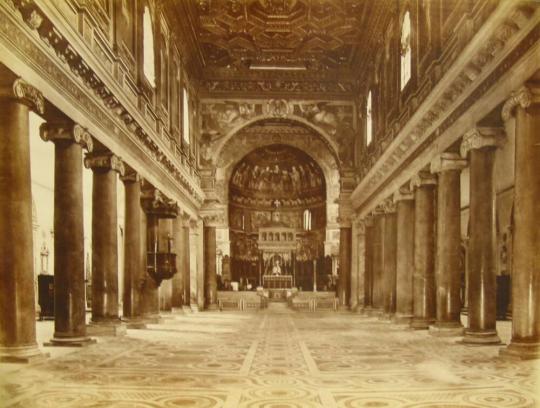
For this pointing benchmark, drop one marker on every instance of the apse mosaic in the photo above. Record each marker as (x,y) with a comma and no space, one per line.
(274,358)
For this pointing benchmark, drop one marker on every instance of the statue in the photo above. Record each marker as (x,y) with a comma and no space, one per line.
(276,269)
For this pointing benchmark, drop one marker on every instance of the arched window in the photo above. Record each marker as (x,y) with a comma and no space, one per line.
(185,116)
(307,220)
(369,120)
(406,56)
(148,48)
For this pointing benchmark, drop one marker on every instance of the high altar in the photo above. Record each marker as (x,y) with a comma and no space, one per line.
(277,244)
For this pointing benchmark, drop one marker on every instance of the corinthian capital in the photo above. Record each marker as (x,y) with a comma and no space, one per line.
(481,137)
(25,93)
(104,162)
(66,131)
(446,162)
(523,97)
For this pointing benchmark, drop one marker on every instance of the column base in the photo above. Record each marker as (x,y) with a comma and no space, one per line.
(22,354)
(178,310)
(399,318)
(194,308)
(481,338)
(187,309)
(106,328)
(446,329)
(521,351)
(418,323)
(82,341)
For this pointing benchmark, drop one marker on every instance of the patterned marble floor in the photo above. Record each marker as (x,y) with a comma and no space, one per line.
(272,359)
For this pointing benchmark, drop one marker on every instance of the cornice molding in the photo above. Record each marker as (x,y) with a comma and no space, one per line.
(66,132)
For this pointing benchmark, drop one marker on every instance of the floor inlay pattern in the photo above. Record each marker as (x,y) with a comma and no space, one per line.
(273,360)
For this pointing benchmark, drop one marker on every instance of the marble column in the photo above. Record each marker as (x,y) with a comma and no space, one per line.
(526,255)
(17,297)
(134,249)
(164,245)
(424,185)
(69,285)
(389,259)
(360,262)
(353,289)
(368,265)
(448,166)
(186,270)
(199,263)
(344,267)
(177,299)
(105,318)
(404,200)
(150,286)
(479,145)
(377,263)
(210,278)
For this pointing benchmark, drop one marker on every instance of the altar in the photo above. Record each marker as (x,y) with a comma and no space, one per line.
(277,281)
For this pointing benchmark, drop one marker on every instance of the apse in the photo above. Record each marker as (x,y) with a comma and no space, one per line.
(277,214)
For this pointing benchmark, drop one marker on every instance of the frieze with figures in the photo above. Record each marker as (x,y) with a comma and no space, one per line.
(335,120)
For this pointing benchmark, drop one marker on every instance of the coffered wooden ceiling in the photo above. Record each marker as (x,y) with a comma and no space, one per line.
(302,39)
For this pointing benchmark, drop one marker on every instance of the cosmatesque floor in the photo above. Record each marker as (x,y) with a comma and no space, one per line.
(271,359)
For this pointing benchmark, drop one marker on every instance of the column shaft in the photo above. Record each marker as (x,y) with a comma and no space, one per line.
(178,279)
(17,297)
(447,268)
(481,257)
(405,261)
(104,247)
(186,264)
(526,265)
(135,252)
(210,267)
(165,288)
(353,284)
(377,264)
(344,267)
(424,257)
(69,285)
(389,264)
(150,289)
(368,265)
